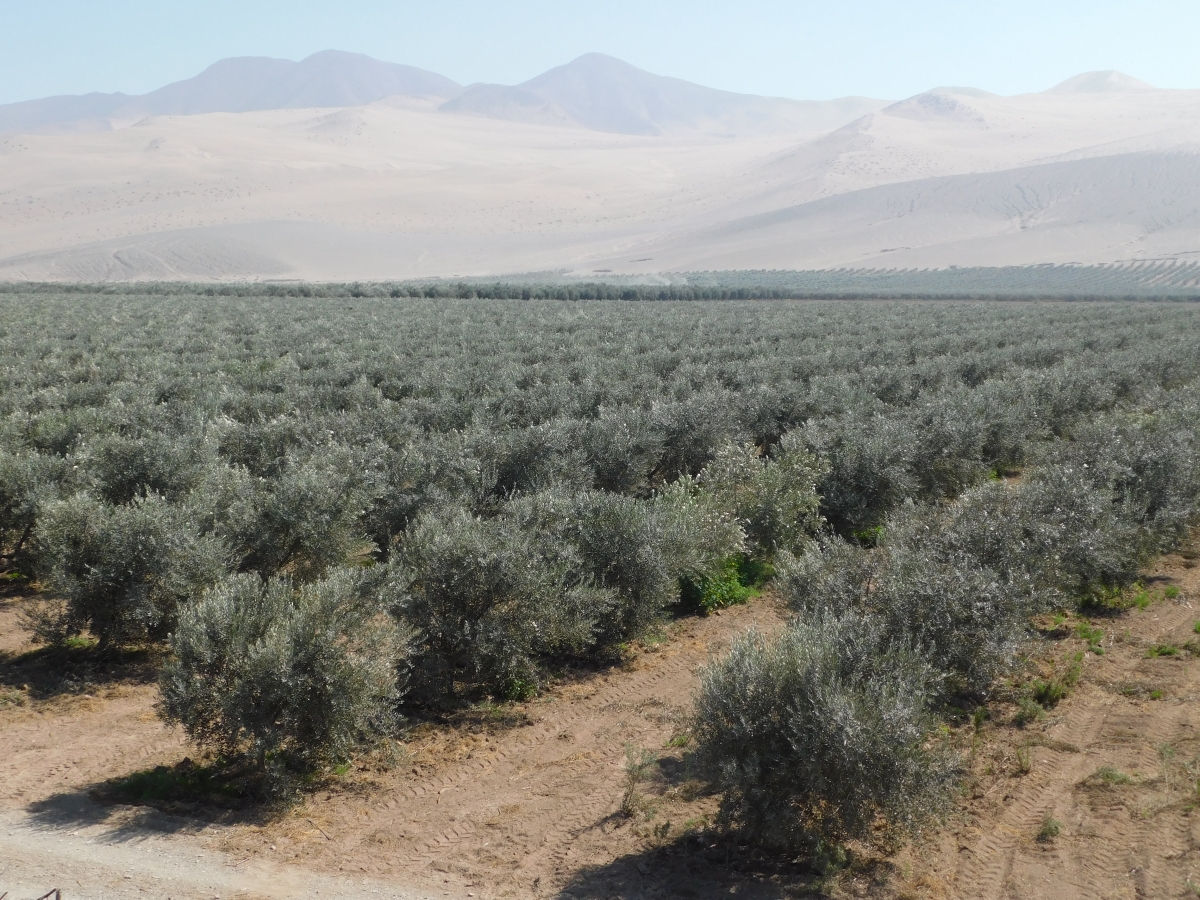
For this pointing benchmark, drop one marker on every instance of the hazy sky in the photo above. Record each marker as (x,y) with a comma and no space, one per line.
(794,48)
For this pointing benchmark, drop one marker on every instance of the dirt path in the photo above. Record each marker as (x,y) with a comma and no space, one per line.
(144,858)
(514,802)
(1132,832)
(518,811)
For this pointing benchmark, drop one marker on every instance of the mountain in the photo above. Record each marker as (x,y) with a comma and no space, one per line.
(595,91)
(242,84)
(327,79)
(1100,83)
(601,93)
(951,176)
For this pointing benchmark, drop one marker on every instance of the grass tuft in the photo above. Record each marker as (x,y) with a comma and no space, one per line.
(1051,828)
(1028,710)
(1159,651)
(1093,635)
(1110,776)
(637,765)
(1024,761)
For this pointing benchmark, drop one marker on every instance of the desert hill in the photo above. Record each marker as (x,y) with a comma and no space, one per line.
(1099,83)
(593,166)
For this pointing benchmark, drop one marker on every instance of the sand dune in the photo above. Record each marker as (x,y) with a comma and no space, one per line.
(1113,208)
(1100,169)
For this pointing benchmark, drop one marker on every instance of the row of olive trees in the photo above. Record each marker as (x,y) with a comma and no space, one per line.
(521,481)
(821,732)
(291,672)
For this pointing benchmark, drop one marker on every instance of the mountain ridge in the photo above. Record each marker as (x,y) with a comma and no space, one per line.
(331,78)
(594,91)
(602,93)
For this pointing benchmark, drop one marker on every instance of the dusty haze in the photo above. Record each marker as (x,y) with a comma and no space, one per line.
(344,168)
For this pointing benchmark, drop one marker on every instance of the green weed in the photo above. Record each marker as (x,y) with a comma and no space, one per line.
(869,537)
(1162,650)
(516,688)
(716,591)
(1110,775)
(184,782)
(1049,693)
(1028,710)
(1024,761)
(1093,635)
(1051,828)
(637,764)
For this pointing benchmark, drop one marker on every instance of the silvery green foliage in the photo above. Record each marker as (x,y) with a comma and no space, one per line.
(698,534)
(123,467)
(122,572)
(638,550)
(693,426)
(534,458)
(305,432)
(419,473)
(869,468)
(814,733)
(989,523)
(775,499)
(1076,533)
(303,521)
(622,447)
(1150,464)
(292,677)
(484,602)
(829,574)
(968,620)
(616,545)
(1057,532)
(961,582)
(951,431)
(27,481)
(558,572)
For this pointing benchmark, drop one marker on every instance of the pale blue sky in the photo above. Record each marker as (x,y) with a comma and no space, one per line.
(802,49)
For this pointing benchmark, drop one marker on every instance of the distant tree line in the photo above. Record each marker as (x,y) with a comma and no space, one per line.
(1168,280)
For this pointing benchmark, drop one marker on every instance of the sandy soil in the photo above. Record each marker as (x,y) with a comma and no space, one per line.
(525,800)
(376,192)
(1133,835)
(510,801)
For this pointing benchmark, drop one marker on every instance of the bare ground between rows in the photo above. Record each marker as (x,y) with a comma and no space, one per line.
(511,800)
(1115,766)
(524,800)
